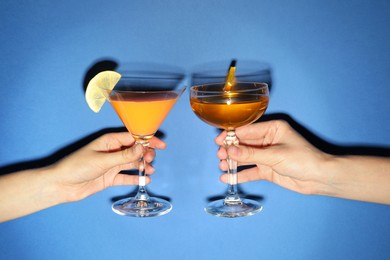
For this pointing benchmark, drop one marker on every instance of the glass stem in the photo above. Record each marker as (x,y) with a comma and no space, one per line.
(142,193)
(232,193)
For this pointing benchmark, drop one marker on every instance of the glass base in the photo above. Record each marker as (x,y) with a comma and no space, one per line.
(243,208)
(133,207)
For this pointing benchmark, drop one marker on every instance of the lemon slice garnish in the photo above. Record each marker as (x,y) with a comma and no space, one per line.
(94,94)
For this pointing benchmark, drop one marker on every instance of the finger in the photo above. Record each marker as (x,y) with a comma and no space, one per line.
(255,130)
(149,169)
(223,165)
(125,179)
(221,153)
(263,133)
(112,141)
(220,138)
(268,156)
(149,155)
(157,143)
(125,156)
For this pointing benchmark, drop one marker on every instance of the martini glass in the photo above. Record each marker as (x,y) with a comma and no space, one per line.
(142,103)
(243,104)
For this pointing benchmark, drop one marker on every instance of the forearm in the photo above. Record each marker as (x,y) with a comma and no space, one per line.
(362,178)
(26,192)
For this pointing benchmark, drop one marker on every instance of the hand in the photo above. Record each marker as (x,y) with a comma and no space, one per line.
(92,168)
(96,166)
(279,154)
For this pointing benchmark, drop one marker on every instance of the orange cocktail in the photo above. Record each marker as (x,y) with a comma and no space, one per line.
(142,114)
(142,103)
(142,100)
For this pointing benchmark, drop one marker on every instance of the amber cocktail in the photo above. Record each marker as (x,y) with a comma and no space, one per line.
(229,109)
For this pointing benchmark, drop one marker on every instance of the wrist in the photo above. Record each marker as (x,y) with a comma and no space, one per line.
(331,179)
(51,191)
(342,179)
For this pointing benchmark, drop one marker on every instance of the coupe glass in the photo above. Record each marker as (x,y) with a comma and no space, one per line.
(243,104)
(142,103)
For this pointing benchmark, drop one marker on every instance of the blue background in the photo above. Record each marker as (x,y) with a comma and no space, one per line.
(330,62)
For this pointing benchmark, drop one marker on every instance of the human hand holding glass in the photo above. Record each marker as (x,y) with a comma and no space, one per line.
(98,165)
(90,169)
(279,154)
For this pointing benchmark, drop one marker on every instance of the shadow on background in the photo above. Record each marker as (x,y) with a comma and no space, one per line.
(63,152)
(99,66)
(38,163)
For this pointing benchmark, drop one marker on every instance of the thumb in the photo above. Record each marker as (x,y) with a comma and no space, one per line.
(128,155)
(252,155)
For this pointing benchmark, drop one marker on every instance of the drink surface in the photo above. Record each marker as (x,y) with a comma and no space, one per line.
(142,113)
(229,110)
